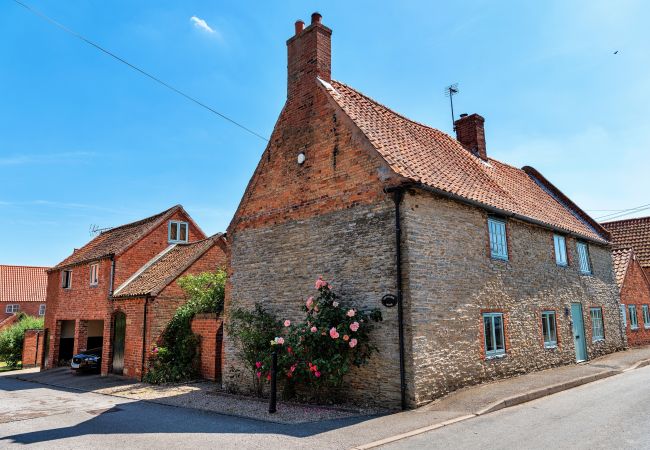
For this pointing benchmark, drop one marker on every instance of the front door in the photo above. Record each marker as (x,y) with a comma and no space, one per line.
(578,332)
(118,343)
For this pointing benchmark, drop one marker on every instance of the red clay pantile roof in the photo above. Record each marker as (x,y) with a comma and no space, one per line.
(164,268)
(434,159)
(23,283)
(116,240)
(621,258)
(634,234)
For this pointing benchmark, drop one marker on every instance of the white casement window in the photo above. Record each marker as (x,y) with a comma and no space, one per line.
(41,309)
(94,274)
(498,239)
(66,279)
(583,257)
(634,323)
(494,335)
(560,250)
(11,309)
(549,329)
(177,231)
(597,327)
(646,316)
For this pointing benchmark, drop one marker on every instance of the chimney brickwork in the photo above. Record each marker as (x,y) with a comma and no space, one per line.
(470,132)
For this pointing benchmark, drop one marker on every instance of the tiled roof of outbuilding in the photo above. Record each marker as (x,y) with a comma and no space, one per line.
(634,234)
(164,268)
(116,240)
(23,283)
(621,258)
(434,159)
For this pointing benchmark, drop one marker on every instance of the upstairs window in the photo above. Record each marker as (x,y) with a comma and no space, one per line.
(498,239)
(94,274)
(494,335)
(634,323)
(560,250)
(41,310)
(583,257)
(549,330)
(66,279)
(646,316)
(11,309)
(597,327)
(177,231)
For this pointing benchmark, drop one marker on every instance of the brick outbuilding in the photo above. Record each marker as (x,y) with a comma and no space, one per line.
(120,287)
(22,289)
(497,271)
(634,287)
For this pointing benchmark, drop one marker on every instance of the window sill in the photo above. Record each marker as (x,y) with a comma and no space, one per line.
(593,341)
(634,328)
(499,258)
(647,327)
(550,346)
(493,357)
(586,274)
(562,266)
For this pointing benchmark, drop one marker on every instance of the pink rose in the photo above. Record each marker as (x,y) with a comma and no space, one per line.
(351,313)
(258,365)
(346,337)
(259,374)
(317,374)
(320,283)
(333,333)
(353,343)
(310,302)
(287,323)
(314,329)
(354,326)
(279,340)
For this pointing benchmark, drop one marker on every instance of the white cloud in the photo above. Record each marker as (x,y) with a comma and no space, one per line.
(203,25)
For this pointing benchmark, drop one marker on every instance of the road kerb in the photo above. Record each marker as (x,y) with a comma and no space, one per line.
(411,433)
(638,365)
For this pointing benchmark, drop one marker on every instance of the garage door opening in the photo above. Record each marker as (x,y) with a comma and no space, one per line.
(95,334)
(66,341)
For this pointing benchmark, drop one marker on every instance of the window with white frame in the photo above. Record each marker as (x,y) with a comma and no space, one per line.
(623,316)
(177,231)
(11,309)
(494,334)
(559,243)
(41,309)
(94,274)
(597,327)
(66,279)
(498,238)
(646,316)
(634,323)
(549,331)
(583,257)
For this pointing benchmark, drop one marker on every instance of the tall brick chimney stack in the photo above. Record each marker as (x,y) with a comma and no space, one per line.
(309,56)
(470,132)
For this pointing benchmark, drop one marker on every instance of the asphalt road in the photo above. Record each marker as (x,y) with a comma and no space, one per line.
(608,414)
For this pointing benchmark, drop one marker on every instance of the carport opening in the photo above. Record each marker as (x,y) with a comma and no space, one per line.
(66,341)
(95,334)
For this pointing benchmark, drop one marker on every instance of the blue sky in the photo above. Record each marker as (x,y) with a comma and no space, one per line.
(85,140)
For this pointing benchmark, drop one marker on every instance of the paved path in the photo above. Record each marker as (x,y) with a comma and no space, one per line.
(607,414)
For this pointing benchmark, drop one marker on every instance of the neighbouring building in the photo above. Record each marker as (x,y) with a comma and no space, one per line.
(634,287)
(632,234)
(118,291)
(498,271)
(22,289)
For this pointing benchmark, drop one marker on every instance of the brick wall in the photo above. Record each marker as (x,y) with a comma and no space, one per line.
(9,321)
(636,291)
(29,308)
(450,280)
(209,329)
(32,348)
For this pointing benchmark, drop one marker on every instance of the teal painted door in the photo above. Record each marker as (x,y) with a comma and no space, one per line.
(578,332)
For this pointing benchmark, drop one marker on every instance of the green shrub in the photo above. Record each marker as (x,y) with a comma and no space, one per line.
(176,358)
(11,339)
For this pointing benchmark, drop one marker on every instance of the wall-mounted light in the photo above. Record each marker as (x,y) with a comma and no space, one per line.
(301,158)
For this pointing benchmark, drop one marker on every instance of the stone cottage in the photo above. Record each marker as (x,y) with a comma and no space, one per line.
(118,291)
(495,271)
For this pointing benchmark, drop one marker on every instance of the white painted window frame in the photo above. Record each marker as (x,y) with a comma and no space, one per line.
(496,352)
(559,243)
(41,309)
(69,279)
(177,224)
(551,321)
(498,234)
(597,324)
(12,308)
(583,257)
(634,320)
(94,274)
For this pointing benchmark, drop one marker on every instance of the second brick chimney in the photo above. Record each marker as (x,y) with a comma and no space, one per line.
(470,132)
(309,56)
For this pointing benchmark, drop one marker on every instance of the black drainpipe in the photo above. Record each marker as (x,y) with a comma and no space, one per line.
(144,337)
(398,195)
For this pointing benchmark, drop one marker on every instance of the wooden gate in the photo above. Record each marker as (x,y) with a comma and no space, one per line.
(118,343)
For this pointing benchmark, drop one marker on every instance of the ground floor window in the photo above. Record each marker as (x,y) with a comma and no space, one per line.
(494,335)
(549,329)
(11,309)
(646,316)
(597,327)
(634,323)
(41,310)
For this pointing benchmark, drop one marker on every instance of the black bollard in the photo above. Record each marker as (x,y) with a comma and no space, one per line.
(274,369)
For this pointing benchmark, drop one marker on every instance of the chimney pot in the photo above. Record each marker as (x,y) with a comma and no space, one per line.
(463,115)
(300,25)
(470,132)
(316,17)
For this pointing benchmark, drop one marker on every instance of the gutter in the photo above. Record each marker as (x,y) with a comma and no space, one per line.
(144,336)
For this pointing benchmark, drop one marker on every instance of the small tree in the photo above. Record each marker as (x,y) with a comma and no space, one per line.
(11,339)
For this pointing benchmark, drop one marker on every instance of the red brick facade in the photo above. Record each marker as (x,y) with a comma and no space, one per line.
(209,329)
(635,290)
(29,308)
(33,348)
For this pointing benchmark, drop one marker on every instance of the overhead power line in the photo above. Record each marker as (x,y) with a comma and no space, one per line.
(136,68)
(624,212)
